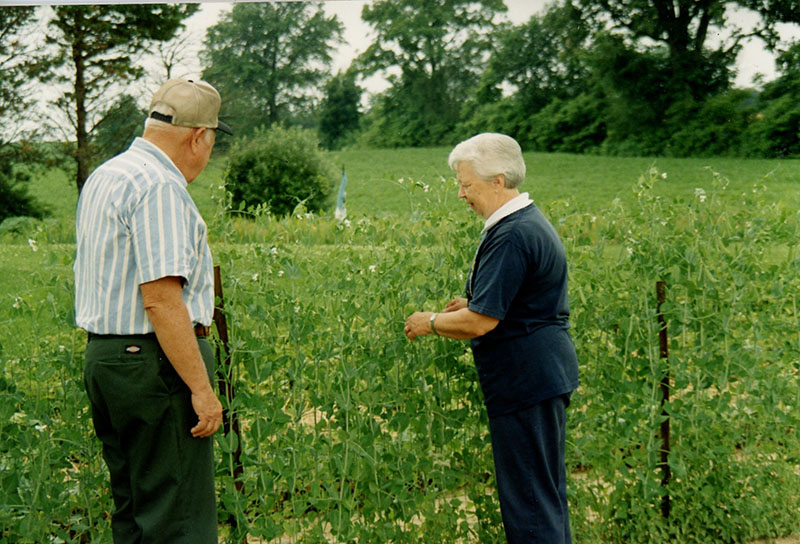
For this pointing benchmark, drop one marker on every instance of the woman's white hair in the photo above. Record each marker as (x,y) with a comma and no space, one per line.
(491,154)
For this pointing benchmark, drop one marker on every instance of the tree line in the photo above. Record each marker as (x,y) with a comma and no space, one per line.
(632,77)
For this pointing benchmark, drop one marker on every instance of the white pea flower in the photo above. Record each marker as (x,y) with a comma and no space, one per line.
(700,194)
(17,303)
(32,243)
(663,175)
(280,273)
(373,267)
(255,276)
(273,250)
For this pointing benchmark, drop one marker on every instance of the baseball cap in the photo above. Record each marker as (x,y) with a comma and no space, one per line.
(195,103)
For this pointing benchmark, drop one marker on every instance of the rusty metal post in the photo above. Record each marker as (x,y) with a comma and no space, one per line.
(661,295)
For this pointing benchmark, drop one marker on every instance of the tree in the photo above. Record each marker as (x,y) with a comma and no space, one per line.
(544,58)
(543,66)
(775,129)
(173,53)
(267,59)
(671,41)
(339,113)
(16,155)
(678,32)
(95,51)
(115,132)
(439,50)
(14,53)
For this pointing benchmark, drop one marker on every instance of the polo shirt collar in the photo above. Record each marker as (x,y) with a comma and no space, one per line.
(513,205)
(151,149)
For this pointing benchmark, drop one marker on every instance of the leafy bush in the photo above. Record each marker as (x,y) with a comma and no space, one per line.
(280,168)
(712,128)
(775,129)
(574,126)
(14,177)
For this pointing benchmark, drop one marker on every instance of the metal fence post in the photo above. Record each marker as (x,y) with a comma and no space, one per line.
(661,295)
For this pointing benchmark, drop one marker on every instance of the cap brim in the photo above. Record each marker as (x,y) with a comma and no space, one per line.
(224,127)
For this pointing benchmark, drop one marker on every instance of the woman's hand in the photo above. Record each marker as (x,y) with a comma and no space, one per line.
(455,304)
(418,324)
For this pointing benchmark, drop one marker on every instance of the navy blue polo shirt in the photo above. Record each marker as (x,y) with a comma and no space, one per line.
(520,277)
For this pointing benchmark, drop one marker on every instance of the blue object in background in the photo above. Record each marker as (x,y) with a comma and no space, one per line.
(341,211)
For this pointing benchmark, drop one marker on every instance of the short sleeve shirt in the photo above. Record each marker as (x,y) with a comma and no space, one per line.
(520,277)
(137,223)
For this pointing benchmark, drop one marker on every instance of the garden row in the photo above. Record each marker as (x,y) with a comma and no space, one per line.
(351,433)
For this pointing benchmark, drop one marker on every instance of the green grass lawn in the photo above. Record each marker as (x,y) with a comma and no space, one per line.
(589,182)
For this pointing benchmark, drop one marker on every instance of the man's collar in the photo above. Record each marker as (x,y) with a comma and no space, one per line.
(151,148)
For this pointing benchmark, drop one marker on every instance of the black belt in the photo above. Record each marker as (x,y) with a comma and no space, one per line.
(200,331)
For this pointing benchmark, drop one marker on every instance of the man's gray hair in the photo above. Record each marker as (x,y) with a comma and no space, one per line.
(157,124)
(491,154)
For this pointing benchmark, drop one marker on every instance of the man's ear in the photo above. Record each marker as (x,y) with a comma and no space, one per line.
(500,180)
(197,136)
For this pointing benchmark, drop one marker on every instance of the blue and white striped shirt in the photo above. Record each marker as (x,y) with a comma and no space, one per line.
(137,223)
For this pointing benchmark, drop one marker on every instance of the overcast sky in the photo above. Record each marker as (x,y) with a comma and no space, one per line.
(357,35)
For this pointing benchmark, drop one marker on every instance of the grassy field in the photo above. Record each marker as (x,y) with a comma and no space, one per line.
(590,183)
(354,434)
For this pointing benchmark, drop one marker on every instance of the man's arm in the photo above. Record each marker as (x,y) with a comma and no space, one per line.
(167,312)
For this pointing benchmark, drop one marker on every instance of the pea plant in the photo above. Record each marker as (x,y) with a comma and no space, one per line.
(730,270)
(349,432)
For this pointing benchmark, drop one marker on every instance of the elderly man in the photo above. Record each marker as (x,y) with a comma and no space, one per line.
(144,293)
(516,313)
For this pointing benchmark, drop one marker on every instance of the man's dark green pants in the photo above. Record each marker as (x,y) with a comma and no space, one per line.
(162,479)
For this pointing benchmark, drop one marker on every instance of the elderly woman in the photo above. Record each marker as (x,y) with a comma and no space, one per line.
(516,314)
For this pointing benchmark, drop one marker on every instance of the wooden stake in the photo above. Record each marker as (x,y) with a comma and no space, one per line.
(230,419)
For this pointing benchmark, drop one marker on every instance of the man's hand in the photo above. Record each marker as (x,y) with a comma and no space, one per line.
(209,413)
(170,319)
